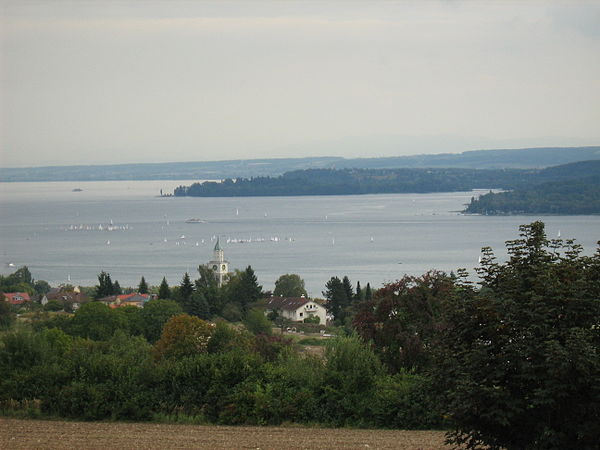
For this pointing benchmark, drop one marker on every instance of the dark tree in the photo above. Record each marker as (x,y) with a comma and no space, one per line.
(117,288)
(163,290)
(517,361)
(368,292)
(105,286)
(403,319)
(186,288)
(359,295)
(348,290)
(336,298)
(249,291)
(143,286)
(289,285)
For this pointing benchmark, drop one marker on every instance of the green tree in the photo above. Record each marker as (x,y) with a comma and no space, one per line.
(105,286)
(96,321)
(143,286)
(54,305)
(163,290)
(117,288)
(368,292)
(7,317)
(155,314)
(290,285)
(360,295)
(336,298)
(186,288)
(517,360)
(257,323)
(183,335)
(244,289)
(41,287)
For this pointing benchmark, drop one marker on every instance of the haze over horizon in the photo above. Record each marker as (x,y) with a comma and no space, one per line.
(130,82)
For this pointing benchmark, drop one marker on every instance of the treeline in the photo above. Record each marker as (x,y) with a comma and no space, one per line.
(379,181)
(578,196)
(511,362)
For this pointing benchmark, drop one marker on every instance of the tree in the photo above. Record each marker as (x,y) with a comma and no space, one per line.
(143,286)
(368,293)
(186,288)
(54,305)
(336,298)
(155,314)
(7,317)
(244,289)
(360,295)
(348,290)
(41,287)
(105,287)
(96,321)
(257,323)
(163,290)
(403,319)
(117,288)
(517,361)
(183,335)
(290,285)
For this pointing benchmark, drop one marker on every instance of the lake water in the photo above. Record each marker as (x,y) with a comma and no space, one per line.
(124,228)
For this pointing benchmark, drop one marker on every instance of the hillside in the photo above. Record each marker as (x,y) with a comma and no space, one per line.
(526,158)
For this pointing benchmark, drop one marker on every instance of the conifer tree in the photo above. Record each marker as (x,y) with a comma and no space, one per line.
(359,295)
(186,288)
(164,292)
(117,288)
(143,286)
(104,287)
(368,293)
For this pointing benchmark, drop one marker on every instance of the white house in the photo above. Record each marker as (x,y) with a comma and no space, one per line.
(297,309)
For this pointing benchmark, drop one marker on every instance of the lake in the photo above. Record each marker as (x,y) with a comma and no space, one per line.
(127,230)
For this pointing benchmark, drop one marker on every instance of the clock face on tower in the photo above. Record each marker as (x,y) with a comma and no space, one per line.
(215,267)
(223,267)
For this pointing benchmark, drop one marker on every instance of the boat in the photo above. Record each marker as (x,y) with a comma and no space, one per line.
(195,220)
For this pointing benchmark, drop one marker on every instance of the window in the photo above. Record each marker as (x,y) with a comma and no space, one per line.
(300,314)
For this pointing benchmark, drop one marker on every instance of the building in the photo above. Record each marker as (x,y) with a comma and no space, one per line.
(134,299)
(218,264)
(69,295)
(297,309)
(17,298)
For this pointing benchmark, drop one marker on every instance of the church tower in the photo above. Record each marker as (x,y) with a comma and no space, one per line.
(218,264)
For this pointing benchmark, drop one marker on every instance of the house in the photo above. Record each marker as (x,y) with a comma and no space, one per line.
(17,298)
(297,309)
(72,296)
(135,299)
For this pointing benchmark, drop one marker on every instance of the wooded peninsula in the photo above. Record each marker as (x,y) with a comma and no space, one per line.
(565,189)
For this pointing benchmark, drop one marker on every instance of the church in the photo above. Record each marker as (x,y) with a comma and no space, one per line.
(218,264)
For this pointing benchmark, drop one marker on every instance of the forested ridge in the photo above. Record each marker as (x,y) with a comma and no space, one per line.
(566,189)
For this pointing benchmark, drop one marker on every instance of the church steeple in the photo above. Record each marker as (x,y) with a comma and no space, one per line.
(218,263)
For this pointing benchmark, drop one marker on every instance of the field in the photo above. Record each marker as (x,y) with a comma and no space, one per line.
(29,434)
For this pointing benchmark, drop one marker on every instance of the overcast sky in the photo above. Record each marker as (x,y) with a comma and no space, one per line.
(86,82)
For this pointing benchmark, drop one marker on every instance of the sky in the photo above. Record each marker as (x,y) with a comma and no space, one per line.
(108,82)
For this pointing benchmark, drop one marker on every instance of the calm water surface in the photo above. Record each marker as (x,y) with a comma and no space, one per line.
(124,228)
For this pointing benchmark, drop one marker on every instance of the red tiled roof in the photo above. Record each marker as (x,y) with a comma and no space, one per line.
(16,298)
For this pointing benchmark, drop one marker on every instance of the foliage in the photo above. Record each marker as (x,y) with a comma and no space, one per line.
(186,289)
(143,286)
(18,281)
(54,305)
(337,298)
(41,287)
(243,289)
(183,335)
(290,285)
(7,316)
(163,291)
(403,319)
(96,321)
(518,363)
(105,286)
(257,323)
(155,314)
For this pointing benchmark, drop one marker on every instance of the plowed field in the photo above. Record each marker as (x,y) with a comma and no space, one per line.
(32,434)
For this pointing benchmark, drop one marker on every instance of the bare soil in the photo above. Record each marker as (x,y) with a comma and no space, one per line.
(31,434)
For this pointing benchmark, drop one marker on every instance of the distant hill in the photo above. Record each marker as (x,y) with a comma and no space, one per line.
(379,181)
(527,158)
(568,189)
